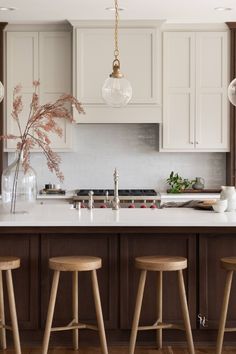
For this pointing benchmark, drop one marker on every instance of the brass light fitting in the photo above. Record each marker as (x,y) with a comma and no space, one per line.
(116,73)
(116,91)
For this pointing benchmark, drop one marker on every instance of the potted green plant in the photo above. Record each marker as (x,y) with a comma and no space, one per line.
(178,183)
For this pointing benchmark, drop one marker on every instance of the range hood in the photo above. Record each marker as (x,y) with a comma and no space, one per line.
(140,44)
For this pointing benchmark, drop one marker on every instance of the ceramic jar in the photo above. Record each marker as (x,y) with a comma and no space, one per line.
(229,193)
(199,183)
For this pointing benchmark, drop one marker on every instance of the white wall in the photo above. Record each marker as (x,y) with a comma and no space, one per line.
(133,149)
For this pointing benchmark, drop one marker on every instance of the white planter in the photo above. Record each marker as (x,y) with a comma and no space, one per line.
(229,193)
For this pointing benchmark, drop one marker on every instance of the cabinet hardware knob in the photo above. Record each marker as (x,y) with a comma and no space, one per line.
(191,142)
(202,320)
(197,142)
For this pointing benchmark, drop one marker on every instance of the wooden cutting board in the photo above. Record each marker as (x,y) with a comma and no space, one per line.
(197,191)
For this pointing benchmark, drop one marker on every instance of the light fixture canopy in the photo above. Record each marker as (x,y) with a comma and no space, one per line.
(1,91)
(3,8)
(222,8)
(116,91)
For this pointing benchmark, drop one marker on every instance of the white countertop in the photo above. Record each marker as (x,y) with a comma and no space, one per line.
(64,215)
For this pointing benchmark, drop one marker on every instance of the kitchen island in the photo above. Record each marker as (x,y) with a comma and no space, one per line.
(118,237)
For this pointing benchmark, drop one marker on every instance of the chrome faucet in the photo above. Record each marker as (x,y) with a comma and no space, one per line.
(90,201)
(116,200)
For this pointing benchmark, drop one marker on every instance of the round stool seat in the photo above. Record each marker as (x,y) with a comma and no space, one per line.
(228,263)
(7,263)
(161,263)
(75,263)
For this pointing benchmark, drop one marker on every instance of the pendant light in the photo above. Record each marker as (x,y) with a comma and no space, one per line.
(116,91)
(1,92)
(232,92)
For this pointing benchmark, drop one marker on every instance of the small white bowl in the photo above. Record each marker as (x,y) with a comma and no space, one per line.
(220,205)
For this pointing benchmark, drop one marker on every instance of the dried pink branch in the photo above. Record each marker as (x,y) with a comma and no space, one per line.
(42,120)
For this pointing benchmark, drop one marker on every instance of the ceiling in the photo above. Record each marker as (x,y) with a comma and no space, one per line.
(30,11)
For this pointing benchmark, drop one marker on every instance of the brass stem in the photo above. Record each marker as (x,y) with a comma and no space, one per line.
(116,51)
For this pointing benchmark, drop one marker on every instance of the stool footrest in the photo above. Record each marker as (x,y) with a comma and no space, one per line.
(230,329)
(161,325)
(73,325)
(5,327)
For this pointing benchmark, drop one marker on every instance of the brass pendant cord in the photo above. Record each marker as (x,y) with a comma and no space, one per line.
(116,62)
(116,51)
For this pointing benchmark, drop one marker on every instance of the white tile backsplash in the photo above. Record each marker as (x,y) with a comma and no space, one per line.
(133,149)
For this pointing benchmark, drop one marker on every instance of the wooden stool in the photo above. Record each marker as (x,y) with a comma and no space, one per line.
(160,264)
(75,264)
(7,264)
(229,264)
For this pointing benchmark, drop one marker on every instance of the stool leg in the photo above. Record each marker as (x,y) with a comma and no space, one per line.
(137,311)
(98,308)
(159,307)
(51,307)
(75,309)
(12,306)
(224,310)
(185,312)
(2,315)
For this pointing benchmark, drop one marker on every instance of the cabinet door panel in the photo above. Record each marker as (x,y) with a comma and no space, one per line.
(212,278)
(139,245)
(45,56)
(212,128)
(210,125)
(178,90)
(55,76)
(25,279)
(22,68)
(92,245)
(177,135)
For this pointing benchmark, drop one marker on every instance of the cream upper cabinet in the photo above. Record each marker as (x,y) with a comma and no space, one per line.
(38,55)
(55,77)
(178,90)
(212,118)
(140,57)
(22,68)
(195,80)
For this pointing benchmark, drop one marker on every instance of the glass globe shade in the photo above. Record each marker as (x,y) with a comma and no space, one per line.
(1,91)
(232,92)
(117,92)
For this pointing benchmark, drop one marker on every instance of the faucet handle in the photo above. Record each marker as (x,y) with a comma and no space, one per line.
(116,173)
(107,197)
(90,202)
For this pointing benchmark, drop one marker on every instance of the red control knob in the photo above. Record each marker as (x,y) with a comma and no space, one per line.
(143,206)
(153,206)
(132,206)
(103,206)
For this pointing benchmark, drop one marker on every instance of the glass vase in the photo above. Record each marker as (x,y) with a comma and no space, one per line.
(19,187)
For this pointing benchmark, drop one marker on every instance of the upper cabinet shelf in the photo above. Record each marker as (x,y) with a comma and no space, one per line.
(140,56)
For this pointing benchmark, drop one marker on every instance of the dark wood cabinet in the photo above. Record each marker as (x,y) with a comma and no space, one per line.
(104,246)
(212,278)
(118,280)
(25,279)
(151,244)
